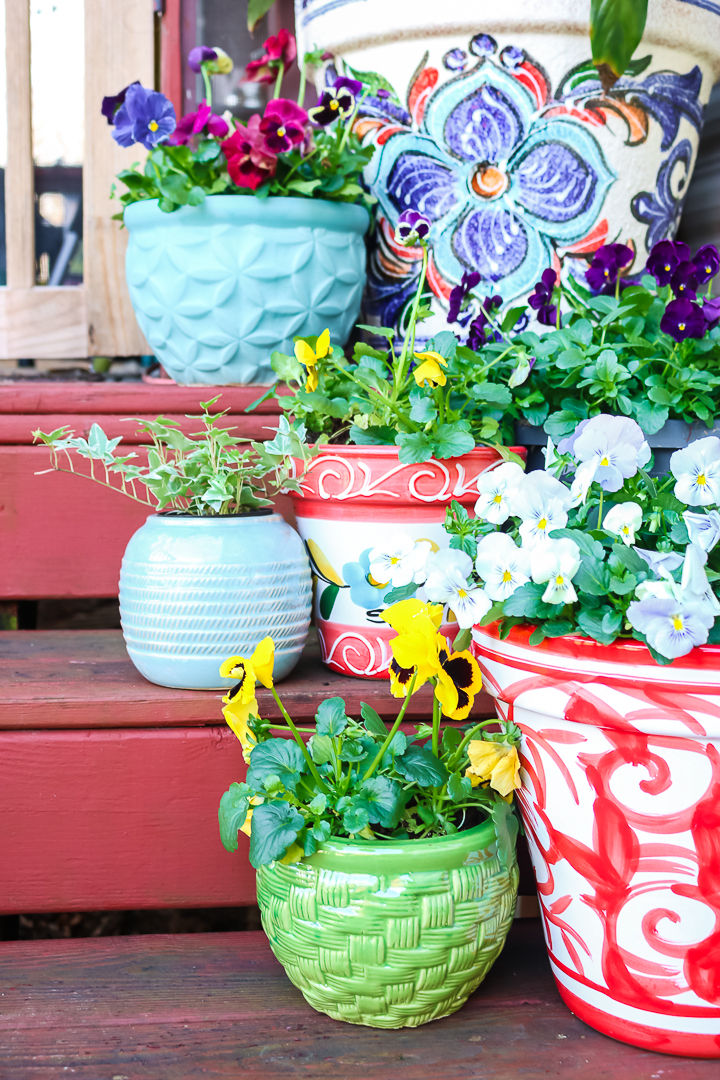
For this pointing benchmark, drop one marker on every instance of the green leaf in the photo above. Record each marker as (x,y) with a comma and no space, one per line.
(506,830)
(587,545)
(491,392)
(377,435)
(616,29)
(422,766)
(593,577)
(196,196)
(526,602)
(459,787)
(451,739)
(330,718)
(462,640)
(380,331)
(337,407)
(557,628)
(450,440)
(511,317)
(561,423)
(275,826)
(321,749)
(175,187)
(591,623)
(318,804)
(402,592)
(287,368)
(356,819)
(232,813)
(422,406)
(414,446)
(327,599)
(373,722)
(282,757)
(353,750)
(396,748)
(256,10)
(384,800)
(649,416)
(305,187)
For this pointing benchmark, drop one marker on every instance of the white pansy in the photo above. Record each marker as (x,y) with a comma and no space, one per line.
(660,562)
(666,589)
(696,469)
(399,560)
(542,503)
(556,562)
(611,448)
(447,573)
(694,582)
(673,628)
(502,565)
(623,520)
(703,529)
(496,489)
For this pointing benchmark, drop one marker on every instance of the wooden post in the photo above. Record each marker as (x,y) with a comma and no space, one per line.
(118,50)
(19,179)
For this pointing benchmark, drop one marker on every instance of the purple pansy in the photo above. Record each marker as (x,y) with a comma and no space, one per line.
(112,103)
(199,56)
(664,259)
(683,319)
(194,123)
(671,627)
(283,125)
(354,86)
(469,280)
(607,263)
(706,263)
(334,102)
(479,333)
(541,299)
(684,281)
(411,227)
(711,311)
(145,116)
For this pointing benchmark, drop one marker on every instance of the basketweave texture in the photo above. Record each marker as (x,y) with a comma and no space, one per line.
(387,951)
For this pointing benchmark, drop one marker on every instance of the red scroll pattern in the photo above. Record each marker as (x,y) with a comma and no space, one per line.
(623,821)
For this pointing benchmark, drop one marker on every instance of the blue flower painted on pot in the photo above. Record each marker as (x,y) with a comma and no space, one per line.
(660,210)
(362,593)
(500,182)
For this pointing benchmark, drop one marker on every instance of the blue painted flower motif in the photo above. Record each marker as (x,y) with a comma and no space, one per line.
(362,593)
(660,210)
(499,183)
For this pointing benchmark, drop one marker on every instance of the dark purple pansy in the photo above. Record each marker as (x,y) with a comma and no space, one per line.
(480,330)
(193,123)
(469,280)
(455,60)
(145,116)
(664,259)
(112,103)
(607,263)
(411,227)
(333,103)
(199,56)
(353,86)
(706,263)
(684,281)
(711,311)
(283,125)
(541,299)
(683,319)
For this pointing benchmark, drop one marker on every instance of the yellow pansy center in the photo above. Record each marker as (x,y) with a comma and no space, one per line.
(507,576)
(497,498)
(542,523)
(681,326)
(667,266)
(334,105)
(281,132)
(559,580)
(153,125)
(625,530)
(605,460)
(702,479)
(462,594)
(394,560)
(678,623)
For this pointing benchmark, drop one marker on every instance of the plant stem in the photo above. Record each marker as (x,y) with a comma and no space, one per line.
(600,510)
(208,85)
(350,122)
(393,729)
(455,759)
(299,740)
(303,80)
(436,727)
(410,335)
(278,81)
(112,487)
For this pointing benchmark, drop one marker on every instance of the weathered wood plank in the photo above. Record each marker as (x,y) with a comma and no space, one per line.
(219,1005)
(84,679)
(45,322)
(19,180)
(124,399)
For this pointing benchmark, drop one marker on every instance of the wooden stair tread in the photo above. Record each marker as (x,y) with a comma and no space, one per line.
(84,678)
(180,1006)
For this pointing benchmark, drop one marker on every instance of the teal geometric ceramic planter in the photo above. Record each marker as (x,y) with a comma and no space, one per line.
(217,288)
(196,590)
(390,934)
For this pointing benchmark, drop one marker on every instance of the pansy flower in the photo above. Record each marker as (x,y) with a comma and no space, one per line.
(430,370)
(683,319)
(502,565)
(112,103)
(145,116)
(280,51)
(496,489)
(459,294)
(448,571)
(609,449)
(399,561)
(415,648)
(479,332)
(684,281)
(665,257)
(706,263)
(333,103)
(241,702)
(623,520)
(411,228)
(696,469)
(542,503)
(309,357)
(458,681)
(556,563)
(248,162)
(201,54)
(196,122)
(703,529)
(673,628)
(711,311)
(495,763)
(541,299)
(283,125)
(606,265)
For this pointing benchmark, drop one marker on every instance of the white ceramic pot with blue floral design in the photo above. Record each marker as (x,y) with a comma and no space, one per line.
(218,288)
(500,132)
(195,590)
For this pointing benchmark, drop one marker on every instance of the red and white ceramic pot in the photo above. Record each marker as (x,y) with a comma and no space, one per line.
(353,499)
(621,804)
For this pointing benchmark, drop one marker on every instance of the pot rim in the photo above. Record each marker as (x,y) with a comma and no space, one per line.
(395,856)
(178,518)
(352,450)
(260,511)
(272,211)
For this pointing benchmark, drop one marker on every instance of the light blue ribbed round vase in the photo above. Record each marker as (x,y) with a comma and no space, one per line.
(195,590)
(217,288)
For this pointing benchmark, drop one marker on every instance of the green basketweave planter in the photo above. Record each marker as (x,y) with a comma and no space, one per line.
(390,934)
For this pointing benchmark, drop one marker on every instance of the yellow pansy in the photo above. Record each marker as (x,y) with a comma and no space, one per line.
(417,651)
(293,854)
(401,616)
(495,762)
(309,357)
(400,679)
(430,370)
(237,715)
(247,824)
(458,680)
(249,669)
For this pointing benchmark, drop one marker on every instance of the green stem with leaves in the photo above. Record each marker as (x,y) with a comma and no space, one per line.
(208,85)
(455,760)
(303,82)
(410,335)
(393,730)
(299,740)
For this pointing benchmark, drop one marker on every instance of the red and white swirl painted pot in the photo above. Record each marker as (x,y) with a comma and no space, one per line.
(353,499)
(621,804)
